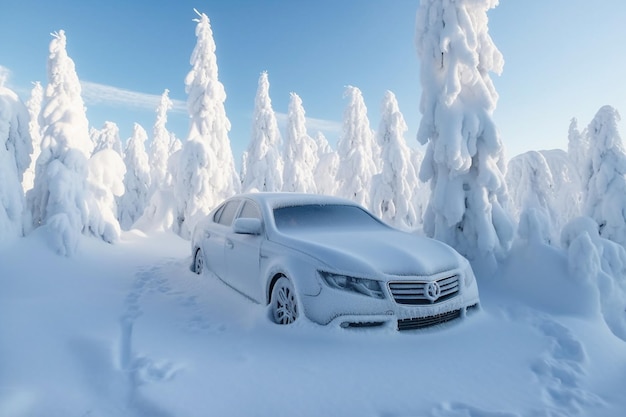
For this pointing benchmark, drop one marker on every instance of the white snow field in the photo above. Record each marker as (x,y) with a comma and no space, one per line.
(128,330)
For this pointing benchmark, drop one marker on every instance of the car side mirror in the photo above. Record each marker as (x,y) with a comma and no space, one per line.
(247,226)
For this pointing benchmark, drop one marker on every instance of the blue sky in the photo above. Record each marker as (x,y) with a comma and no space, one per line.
(563,59)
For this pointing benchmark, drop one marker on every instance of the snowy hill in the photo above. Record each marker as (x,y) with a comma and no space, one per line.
(129,330)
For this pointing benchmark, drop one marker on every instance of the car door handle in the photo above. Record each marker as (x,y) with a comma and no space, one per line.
(229,244)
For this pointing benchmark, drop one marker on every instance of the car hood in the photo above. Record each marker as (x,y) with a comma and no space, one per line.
(362,252)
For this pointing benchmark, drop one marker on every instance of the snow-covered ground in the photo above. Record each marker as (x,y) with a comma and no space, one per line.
(128,330)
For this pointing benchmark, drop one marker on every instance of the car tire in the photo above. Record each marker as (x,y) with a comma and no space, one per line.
(284,303)
(198,262)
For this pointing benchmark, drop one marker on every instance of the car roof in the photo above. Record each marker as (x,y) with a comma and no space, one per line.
(273,200)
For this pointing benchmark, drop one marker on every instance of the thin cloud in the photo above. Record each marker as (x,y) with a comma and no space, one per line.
(313,125)
(94,94)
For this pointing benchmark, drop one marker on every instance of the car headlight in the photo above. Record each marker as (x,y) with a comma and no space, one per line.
(369,287)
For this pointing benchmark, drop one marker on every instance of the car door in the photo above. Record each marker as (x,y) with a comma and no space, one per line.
(214,242)
(242,253)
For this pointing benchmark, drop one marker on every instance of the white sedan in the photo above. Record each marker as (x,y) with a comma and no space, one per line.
(330,260)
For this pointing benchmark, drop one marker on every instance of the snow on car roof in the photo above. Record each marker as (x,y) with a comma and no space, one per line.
(286,199)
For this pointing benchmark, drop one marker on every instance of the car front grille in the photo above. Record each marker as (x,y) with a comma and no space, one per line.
(424,292)
(421,322)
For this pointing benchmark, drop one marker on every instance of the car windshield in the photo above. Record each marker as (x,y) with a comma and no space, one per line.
(323,216)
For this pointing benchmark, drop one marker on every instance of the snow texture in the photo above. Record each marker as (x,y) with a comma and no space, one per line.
(206,174)
(262,166)
(464,160)
(301,157)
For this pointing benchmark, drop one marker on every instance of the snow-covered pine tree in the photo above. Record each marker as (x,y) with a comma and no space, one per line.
(392,189)
(206,173)
(327,166)
(15,151)
(531,189)
(464,161)
(60,199)
(137,179)
(262,164)
(34,108)
(606,185)
(160,146)
(301,156)
(357,151)
(107,138)
(578,149)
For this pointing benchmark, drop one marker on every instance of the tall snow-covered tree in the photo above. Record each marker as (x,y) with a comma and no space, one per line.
(606,185)
(60,199)
(464,160)
(137,179)
(206,173)
(34,108)
(107,138)
(327,166)
(262,165)
(15,151)
(393,188)
(357,151)
(301,156)
(160,146)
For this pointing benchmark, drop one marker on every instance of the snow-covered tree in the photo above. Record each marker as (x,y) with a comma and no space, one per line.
(107,138)
(34,108)
(160,146)
(327,166)
(421,195)
(60,198)
(606,185)
(578,149)
(357,150)
(301,156)
(464,160)
(137,179)
(262,165)
(531,186)
(206,174)
(106,172)
(392,189)
(15,151)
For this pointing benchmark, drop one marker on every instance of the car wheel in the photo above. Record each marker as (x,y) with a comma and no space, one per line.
(198,262)
(284,302)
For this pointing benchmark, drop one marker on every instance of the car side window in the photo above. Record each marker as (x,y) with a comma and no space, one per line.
(250,211)
(228,213)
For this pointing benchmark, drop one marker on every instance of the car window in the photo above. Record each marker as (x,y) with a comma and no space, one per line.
(228,212)
(218,213)
(250,211)
(324,216)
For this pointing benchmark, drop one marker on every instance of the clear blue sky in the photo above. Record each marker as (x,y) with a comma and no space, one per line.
(563,59)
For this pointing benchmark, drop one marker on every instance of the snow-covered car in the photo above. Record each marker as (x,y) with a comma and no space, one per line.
(332,261)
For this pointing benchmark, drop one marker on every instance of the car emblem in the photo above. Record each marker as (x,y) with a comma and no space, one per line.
(432,291)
